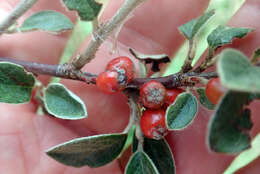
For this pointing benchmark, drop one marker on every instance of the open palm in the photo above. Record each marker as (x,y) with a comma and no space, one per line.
(24,136)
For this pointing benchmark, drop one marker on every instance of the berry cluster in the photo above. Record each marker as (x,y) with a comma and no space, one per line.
(156,98)
(153,95)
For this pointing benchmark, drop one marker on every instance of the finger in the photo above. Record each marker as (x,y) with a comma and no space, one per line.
(25,137)
(189,145)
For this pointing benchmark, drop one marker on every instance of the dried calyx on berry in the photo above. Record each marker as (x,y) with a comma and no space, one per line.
(152,94)
(153,124)
(123,65)
(119,72)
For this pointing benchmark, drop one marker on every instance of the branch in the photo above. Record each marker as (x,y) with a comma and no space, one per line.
(104,31)
(66,71)
(62,70)
(19,10)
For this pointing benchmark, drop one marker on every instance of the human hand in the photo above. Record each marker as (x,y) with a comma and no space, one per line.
(24,136)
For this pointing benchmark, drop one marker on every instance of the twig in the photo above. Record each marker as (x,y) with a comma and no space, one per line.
(19,10)
(207,62)
(105,31)
(66,71)
(191,54)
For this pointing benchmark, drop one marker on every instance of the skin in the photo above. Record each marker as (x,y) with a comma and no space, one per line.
(24,136)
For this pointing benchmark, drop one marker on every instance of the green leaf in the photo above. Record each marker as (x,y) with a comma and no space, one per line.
(257,53)
(47,21)
(229,126)
(94,151)
(204,99)
(62,103)
(88,10)
(224,35)
(161,155)
(255,56)
(237,73)
(181,113)
(140,163)
(191,28)
(159,152)
(246,157)
(15,83)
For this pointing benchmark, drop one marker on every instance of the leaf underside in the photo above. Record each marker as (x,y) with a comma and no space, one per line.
(237,73)
(62,103)
(51,21)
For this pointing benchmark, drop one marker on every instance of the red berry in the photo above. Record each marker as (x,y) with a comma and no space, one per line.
(171,95)
(123,65)
(152,94)
(214,90)
(108,82)
(153,124)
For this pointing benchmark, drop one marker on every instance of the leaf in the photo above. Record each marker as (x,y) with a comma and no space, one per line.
(237,73)
(204,99)
(246,157)
(181,113)
(140,163)
(257,53)
(161,155)
(88,10)
(94,151)
(159,152)
(229,126)
(15,83)
(191,28)
(154,59)
(224,35)
(47,21)
(255,56)
(62,103)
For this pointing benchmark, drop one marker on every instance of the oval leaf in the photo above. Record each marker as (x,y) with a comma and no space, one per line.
(159,152)
(229,126)
(237,73)
(94,151)
(191,28)
(161,155)
(88,10)
(15,83)
(223,35)
(47,21)
(204,99)
(181,113)
(62,103)
(140,163)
